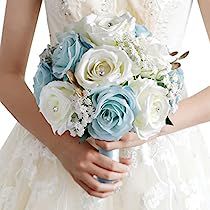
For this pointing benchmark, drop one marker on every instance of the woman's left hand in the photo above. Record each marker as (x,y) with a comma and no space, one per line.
(131,139)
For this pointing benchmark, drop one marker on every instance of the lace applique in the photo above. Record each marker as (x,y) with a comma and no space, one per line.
(163,151)
(152,199)
(159,17)
(107,6)
(90,202)
(43,189)
(73,9)
(193,196)
(29,151)
(7,197)
(151,12)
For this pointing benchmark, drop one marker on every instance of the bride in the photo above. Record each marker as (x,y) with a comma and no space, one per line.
(41,171)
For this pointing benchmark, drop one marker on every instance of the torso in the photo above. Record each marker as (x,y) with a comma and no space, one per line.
(166,19)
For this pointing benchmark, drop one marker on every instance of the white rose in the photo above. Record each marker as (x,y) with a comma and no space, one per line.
(103,65)
(156,57)
(153,105)
(102,30)
(55,105)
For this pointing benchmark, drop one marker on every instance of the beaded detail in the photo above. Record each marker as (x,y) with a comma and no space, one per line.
(157,15)
(72,8)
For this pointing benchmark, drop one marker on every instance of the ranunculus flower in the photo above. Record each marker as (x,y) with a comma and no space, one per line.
(102,30)
(55,105)
(103,65)
(42,77)
(153,106)
(114,116)
(68,54)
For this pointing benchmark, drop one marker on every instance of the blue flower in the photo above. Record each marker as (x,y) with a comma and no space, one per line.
(42,77)
(68,53)
(177,79)
(115,109)
(141,30)
(177,76)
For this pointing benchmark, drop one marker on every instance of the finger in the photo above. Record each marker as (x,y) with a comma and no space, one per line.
(109,145)
(130,139)
(123,143)
(95,185)
(130,136)
(132,143)
(127,161)
(92,192)
(106,174)
(107,163)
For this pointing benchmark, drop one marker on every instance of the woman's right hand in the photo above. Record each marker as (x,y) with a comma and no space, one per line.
(81,160)
(84,162)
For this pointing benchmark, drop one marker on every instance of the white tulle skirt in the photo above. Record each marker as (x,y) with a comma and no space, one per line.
(172,173)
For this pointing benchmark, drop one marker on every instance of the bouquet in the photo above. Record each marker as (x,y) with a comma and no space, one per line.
(105,77)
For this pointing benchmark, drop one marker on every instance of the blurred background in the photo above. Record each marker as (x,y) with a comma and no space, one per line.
(196,66)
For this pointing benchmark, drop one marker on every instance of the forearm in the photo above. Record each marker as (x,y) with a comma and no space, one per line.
(19,100)
(19,26)
(205,8)
(192,111)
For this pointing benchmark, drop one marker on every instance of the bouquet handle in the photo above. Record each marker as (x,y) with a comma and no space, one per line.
(114,155)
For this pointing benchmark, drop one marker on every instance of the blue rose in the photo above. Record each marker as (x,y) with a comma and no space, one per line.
(68,53)
(115,109)
(141,30)
(42,77)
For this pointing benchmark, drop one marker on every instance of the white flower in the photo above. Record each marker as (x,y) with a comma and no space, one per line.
(153,105)
(55,105)
(102,29)
(64,109)
(154,56)
(83,114)
(103,65)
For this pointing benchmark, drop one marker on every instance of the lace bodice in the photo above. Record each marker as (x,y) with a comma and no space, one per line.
(166,19)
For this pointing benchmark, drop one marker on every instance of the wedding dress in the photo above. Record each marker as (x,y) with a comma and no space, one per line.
(172,173)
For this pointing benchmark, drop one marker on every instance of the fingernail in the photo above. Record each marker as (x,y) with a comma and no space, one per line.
(119,184)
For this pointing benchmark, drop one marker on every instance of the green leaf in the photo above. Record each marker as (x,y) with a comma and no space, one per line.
(161,78)
(161,84)
(136,77)
(85,136)
(125,83)
(169,122)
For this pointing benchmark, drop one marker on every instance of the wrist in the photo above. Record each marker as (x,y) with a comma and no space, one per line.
(58,143)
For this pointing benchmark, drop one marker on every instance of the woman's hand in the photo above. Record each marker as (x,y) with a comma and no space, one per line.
(84,162)
(131,139)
